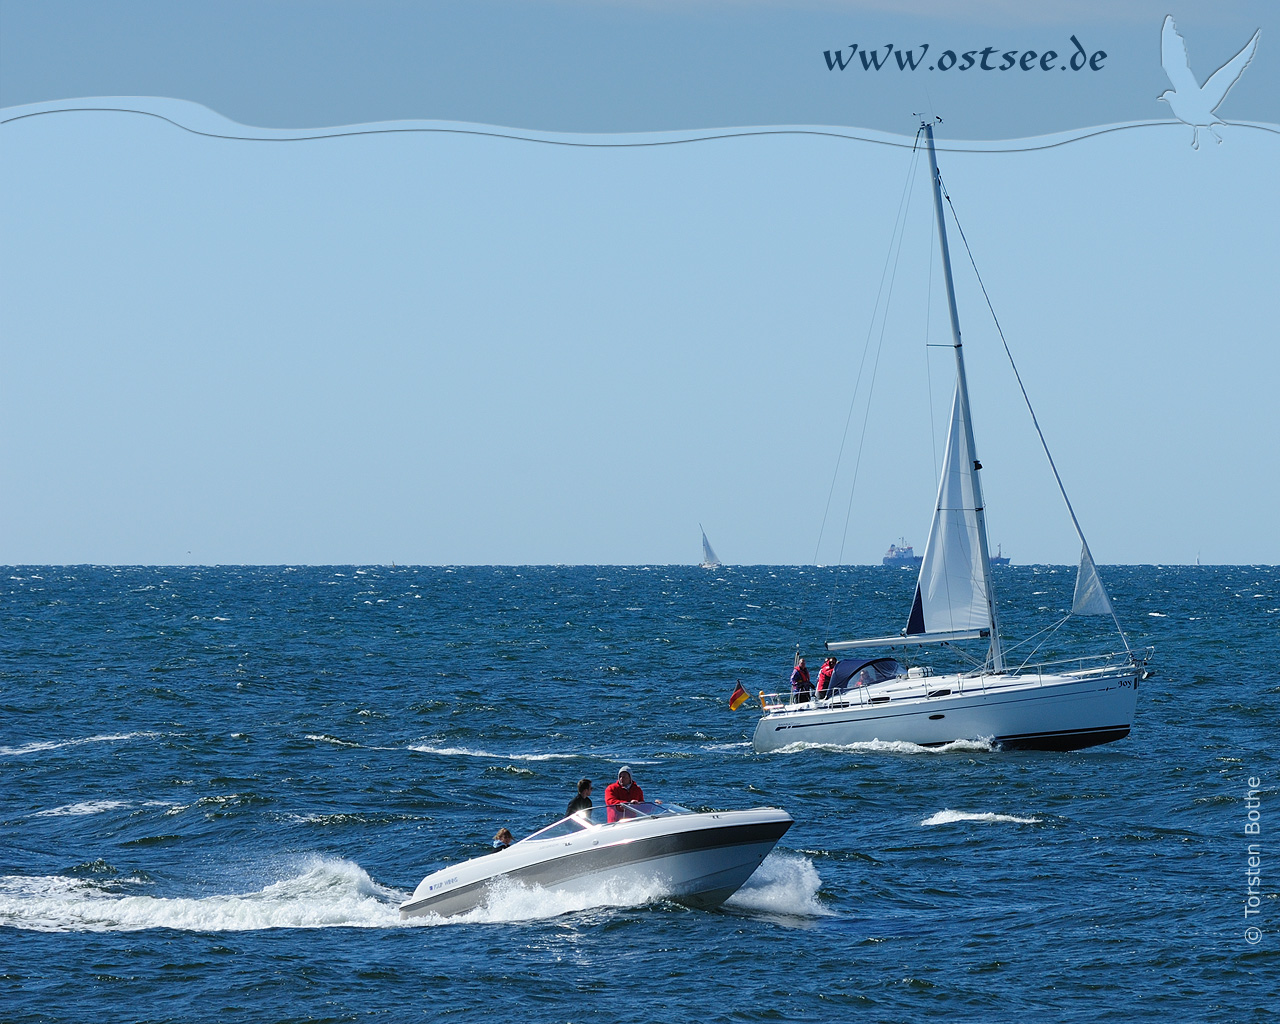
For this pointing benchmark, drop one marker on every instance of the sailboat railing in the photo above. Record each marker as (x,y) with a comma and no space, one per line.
(946,685)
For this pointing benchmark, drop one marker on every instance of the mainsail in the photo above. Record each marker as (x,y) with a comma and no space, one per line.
(709,559)
(952,593)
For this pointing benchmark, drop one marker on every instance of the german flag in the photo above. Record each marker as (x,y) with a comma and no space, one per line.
(738,697)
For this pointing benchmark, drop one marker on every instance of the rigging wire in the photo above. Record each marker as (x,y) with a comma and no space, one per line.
(888,275)
(884,321)
(1025,397)
(1049,630)
(903,200)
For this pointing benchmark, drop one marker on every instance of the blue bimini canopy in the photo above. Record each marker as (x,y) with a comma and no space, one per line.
(855,672)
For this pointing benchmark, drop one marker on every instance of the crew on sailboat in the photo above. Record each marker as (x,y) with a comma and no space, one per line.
(824,676)
(801,688)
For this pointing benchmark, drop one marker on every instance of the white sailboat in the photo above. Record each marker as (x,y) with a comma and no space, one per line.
(709,559)
(1058,706)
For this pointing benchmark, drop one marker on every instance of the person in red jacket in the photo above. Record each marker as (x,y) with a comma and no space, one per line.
(824,676)
(624,791)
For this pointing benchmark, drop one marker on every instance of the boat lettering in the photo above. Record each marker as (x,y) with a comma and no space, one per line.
(441,885)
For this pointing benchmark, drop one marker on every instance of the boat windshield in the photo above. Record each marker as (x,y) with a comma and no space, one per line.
(609,814)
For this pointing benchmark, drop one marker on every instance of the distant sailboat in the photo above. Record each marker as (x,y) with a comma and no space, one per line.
(709,559)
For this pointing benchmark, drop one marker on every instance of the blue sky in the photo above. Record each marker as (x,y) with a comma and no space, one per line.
(448,348)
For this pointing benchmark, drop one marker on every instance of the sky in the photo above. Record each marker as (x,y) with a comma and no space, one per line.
(263,344)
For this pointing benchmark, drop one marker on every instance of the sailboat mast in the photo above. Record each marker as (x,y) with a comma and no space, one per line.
(962,389)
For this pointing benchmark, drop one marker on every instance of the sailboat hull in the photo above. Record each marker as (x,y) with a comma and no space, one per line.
(1029,711)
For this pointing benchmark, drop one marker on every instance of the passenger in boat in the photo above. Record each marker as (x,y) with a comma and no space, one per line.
(581,802)
(824,676)
(503,839)
(624,791)
(801,687)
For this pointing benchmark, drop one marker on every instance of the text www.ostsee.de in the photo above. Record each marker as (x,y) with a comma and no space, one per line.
(988,58)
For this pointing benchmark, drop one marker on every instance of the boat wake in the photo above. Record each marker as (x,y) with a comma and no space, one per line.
(511,901)
(334,893)
(328,893)
(947,816)
(785,885)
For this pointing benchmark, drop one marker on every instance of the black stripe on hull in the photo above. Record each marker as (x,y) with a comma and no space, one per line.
(561,869)
(1071,739)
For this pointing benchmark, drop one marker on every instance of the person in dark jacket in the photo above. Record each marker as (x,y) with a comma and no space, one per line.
(581,802)
(801,687)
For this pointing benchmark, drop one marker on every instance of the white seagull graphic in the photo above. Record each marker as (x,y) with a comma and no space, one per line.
(1191,102)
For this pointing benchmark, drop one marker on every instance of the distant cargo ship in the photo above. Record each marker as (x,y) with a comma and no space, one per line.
(902,557)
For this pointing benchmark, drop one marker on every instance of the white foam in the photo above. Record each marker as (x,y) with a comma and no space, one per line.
(88,807)
(947,816)
(468,752)
(35,748)
(983,745)
(510,900)
(328,893)
(786,884)
(321,738)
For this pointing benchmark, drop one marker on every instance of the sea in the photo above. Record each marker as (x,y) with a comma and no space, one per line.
(218,783)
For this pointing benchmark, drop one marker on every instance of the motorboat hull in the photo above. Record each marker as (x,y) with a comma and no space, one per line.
(697,859)
(1067,711)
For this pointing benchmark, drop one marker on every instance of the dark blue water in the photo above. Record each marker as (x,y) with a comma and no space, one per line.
(218,783)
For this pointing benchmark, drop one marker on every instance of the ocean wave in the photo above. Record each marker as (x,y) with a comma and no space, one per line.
(323,738)
(947,816)
(328,893)
(469,752)
(88,807)
(41,746)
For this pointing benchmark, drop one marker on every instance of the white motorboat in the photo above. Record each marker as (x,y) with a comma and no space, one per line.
(1060,705)
(697,858)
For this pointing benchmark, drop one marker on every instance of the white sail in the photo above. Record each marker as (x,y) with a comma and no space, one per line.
(709,559)
(1090,596)
(952,592)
